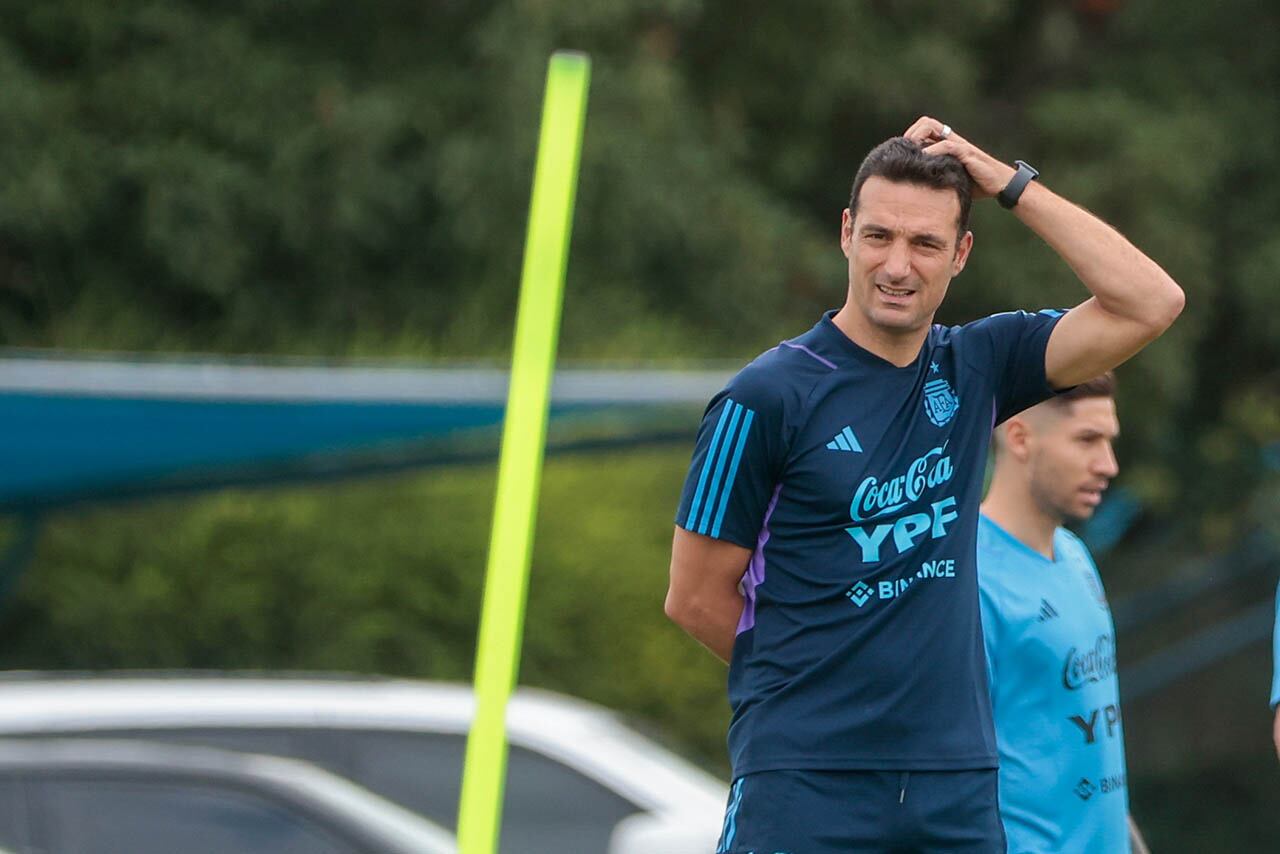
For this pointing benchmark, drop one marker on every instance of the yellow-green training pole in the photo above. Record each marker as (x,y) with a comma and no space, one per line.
(524,430)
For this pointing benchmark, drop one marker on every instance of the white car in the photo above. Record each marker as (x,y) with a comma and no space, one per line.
(578,780)
(91,796)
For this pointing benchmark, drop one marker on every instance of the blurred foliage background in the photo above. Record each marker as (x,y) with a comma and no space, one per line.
(347,180)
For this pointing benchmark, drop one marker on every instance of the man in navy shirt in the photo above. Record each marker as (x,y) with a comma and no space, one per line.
(824,543)
(1049,638)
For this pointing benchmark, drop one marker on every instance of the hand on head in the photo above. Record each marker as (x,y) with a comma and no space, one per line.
(990,175)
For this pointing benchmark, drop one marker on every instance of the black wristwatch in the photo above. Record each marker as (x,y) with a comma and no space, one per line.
(1026,173)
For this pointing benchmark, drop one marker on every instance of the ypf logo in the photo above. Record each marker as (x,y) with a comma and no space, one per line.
(940,402)
(860,593)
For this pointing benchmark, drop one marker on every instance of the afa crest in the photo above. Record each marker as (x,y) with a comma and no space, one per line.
(940,402)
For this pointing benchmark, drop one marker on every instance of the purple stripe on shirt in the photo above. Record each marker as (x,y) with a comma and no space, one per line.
(829,364)
(754,576)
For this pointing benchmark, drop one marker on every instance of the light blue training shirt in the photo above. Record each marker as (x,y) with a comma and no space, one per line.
(1050,646)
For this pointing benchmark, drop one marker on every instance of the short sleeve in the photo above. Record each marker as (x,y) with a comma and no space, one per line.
(1013,345)
(737,461)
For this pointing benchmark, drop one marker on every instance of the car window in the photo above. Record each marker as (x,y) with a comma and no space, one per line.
(13,815)
(108,814)
(552,808)
(420,771)
(548,807)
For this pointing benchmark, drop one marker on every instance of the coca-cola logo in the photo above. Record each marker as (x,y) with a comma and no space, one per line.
(1091,664)
(875,498)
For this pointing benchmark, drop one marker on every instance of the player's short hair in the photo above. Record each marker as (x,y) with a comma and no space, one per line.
(904,162)
(1100,386)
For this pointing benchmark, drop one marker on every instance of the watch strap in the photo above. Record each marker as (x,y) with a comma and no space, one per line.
(1008,197)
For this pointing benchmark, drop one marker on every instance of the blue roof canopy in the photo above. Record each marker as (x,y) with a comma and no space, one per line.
(78,430)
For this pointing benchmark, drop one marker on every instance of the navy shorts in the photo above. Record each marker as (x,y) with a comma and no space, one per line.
(837,812)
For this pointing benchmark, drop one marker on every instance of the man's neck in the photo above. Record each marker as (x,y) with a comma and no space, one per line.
(1018,514)
(899,348)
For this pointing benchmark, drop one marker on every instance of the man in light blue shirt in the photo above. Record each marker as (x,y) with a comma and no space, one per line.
(1050,641)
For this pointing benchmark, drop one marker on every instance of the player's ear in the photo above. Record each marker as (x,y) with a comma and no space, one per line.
(846,232)
(1016,438)
(963,246)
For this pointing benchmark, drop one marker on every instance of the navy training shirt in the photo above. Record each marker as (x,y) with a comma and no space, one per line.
(856,484)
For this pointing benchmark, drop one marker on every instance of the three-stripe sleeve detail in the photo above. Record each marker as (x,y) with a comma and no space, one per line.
(733,472)
(689,521)
(719,469)
(717,477)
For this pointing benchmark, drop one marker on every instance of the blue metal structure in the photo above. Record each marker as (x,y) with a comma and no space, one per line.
(85,430)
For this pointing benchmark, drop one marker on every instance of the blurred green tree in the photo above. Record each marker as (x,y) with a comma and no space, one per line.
(343,179)
(322,178)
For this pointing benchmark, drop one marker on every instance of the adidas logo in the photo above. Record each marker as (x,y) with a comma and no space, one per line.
(1047,611)
(845,441)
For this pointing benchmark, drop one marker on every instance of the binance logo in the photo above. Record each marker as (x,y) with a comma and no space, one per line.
(860,593)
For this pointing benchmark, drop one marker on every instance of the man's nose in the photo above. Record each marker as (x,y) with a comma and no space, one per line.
(1106,463)
(898,262)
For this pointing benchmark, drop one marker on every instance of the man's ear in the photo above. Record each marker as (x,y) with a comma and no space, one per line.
(1017,438)
(963,246)
(846,232)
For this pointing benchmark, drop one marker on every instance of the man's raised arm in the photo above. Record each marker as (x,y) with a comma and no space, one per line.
(1133,301)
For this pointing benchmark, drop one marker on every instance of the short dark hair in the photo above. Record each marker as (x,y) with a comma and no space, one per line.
(1100,386)
(904,162)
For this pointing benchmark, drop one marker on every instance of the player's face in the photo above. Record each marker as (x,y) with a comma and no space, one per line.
(903,250)
(1072,461)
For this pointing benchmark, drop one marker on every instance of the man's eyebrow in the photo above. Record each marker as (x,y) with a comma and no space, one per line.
(1093,432)
(925,236)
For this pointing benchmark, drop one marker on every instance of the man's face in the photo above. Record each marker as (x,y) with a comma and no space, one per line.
(903,250)
(1071,458)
